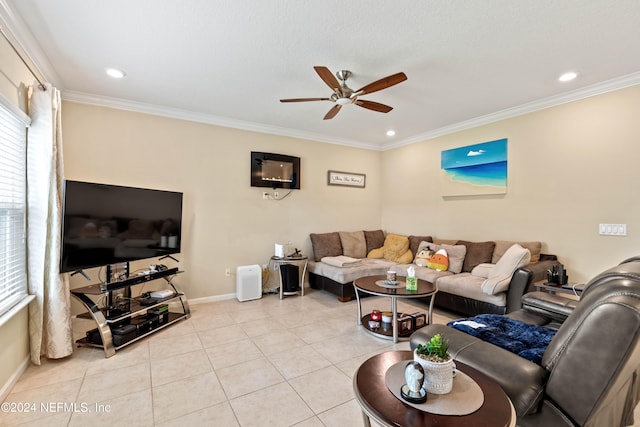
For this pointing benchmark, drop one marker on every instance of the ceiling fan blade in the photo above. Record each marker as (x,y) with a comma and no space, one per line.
(304,99)
(375,106)
(332,113)
(328,77)
(382,83)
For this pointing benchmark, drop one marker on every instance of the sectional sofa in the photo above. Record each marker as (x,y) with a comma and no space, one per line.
(479,279)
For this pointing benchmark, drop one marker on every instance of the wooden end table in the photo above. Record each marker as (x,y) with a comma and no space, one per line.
(379,404)
(368,285)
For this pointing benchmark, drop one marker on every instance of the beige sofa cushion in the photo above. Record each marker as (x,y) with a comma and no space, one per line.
(325,244)
(344,275)
(422,273)
(469,286)
(500,276)
(503,245)
(483,270)
(353,243)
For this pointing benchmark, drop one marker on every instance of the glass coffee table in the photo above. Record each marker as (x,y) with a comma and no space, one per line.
(375,285)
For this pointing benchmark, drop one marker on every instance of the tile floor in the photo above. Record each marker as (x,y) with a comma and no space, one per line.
(264,362)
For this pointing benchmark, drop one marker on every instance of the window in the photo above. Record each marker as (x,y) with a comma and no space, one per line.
(13,177)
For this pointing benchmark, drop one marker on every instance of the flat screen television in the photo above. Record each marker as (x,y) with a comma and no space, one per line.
(275,170)
(108,224)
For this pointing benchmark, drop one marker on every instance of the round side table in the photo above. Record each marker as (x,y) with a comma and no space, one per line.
(379,404)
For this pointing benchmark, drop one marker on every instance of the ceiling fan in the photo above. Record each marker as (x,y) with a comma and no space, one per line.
(343,94)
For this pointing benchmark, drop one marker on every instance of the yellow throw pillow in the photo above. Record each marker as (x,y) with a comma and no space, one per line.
(406,258)
(396,247)
(376,253)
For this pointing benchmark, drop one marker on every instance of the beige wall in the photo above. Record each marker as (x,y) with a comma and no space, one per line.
(14,76)
(14,335)
(14,349)
(570,168)
(226,223)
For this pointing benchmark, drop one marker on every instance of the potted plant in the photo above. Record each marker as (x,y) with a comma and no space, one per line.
(437,363)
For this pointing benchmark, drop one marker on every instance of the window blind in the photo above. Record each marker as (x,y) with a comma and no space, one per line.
(13,177)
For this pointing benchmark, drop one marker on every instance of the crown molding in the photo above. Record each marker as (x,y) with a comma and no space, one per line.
(25,42)
(175,113)
(552,101)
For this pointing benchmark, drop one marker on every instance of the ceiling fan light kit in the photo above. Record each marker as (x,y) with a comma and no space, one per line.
(344,95)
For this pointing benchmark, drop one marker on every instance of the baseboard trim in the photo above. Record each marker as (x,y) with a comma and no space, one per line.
(213,298)
(13,380)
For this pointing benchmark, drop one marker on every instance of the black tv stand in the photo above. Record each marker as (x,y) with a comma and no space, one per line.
(135,279)
(109,317)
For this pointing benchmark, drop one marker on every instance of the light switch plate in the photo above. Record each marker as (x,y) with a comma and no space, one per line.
(613,229)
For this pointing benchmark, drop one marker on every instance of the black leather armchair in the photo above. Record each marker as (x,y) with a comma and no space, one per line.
(589,371)
(549,309)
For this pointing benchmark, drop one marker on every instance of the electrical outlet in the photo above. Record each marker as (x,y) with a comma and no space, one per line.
(227,272)
(265,195)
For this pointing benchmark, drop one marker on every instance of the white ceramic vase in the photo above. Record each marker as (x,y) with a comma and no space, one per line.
(438,375)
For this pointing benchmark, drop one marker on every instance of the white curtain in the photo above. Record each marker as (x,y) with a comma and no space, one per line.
(50,313)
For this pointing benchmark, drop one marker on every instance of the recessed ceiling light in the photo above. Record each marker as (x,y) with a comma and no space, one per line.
(391,133)
(567,77)
(115,73)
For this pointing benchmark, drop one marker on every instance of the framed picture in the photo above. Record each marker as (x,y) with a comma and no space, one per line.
(346,178)
(479,169)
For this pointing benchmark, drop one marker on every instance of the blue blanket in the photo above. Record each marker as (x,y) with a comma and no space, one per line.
(527,341)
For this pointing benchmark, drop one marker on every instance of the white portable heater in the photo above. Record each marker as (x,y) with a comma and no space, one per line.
(248,282)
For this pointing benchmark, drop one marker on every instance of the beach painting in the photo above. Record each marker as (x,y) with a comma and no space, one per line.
(478,169)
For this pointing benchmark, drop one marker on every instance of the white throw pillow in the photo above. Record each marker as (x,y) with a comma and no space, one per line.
(456,254)
(483,270)
(500,276)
